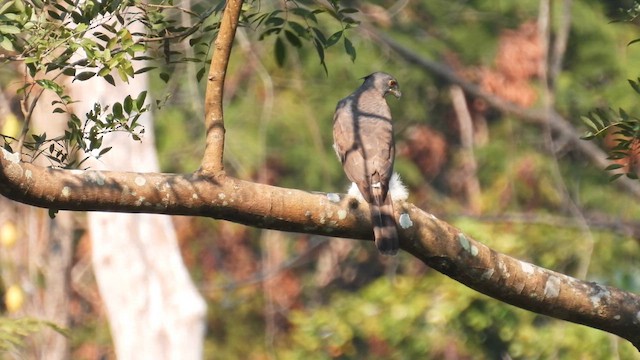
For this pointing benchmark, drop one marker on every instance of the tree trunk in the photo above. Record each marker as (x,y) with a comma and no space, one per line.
(154,309)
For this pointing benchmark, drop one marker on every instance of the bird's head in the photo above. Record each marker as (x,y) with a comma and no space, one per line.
(385,83)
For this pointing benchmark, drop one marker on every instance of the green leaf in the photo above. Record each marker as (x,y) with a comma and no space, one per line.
(614,167)
(104,151)
(9,29)
(117,110)
(634,85)
(319,36)
(300,30)
(4,7)
(85,75)
(165,76)
(200,74)
(348,11)
(590,123)
(110,79)
(50,85)
(348,47)
(144,69)
(305,14)
(633,41)
(333,38)
(140,100)
(588,136)
(128,104)
(123,74)
(280,51)
(320,51)
(293,38)
(6,43)
(614,177)
(104,71)
(69,71)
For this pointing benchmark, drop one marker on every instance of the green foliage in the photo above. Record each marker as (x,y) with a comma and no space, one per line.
(84,136)
(278,118)
(620,125)
(625,130)
(299,22)
(48,40)
(426,318)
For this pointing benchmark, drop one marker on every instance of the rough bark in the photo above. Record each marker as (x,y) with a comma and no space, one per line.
(433,241)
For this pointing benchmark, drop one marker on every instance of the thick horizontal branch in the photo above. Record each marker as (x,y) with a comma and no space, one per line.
(435,242)
(218,197)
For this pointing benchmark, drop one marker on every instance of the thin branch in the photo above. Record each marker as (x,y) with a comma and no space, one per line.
(560,43)
(212,161)
(436,243)
(536,116)
(548,94)
(468,161)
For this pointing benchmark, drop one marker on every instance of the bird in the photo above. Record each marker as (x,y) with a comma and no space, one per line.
(363,140)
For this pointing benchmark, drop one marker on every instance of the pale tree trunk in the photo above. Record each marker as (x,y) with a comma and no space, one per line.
(154,309)
(39,262)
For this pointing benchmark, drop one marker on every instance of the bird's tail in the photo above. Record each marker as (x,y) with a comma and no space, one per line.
(384,227)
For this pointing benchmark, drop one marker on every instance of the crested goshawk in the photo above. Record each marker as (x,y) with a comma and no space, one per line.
(363,140)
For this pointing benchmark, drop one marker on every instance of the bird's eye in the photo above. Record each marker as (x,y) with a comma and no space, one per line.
(393,83)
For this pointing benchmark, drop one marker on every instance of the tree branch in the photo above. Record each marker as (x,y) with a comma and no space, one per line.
(433,241)
(212,161)
(537,116)
(209,193)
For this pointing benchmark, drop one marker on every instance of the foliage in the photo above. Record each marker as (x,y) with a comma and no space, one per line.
(278,112)
(410,317)
(621,126)
(84,136)
(99,38)
(626,131)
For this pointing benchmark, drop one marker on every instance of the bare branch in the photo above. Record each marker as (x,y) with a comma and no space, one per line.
(560,43)
(433,241)
(212,162)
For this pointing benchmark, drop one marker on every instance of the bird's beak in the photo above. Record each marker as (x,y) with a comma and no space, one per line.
(396,92)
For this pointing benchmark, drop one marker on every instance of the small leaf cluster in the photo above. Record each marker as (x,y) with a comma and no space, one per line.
(625,129)
(77,40)
(81,41)
(83,138)
(297,23)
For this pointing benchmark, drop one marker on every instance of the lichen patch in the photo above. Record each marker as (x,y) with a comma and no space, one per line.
(9,156)
(333,197)
(552,287)
(527,268)
(405,221)
(599,296)
(140,180)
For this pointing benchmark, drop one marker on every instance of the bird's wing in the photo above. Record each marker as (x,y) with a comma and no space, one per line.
(348,143)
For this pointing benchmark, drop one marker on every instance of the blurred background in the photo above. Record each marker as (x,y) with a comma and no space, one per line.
(509,180)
